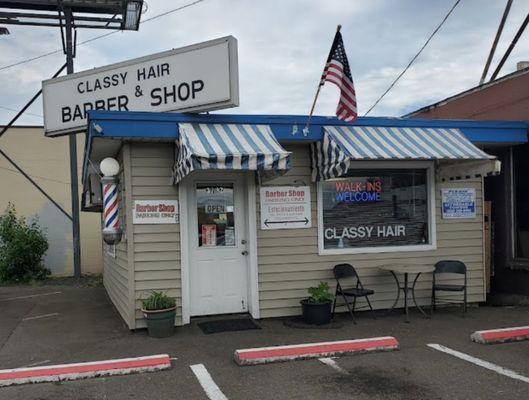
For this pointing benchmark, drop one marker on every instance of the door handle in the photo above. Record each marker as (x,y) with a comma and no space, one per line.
(244,253)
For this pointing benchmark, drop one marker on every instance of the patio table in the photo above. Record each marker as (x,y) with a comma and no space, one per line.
(406,270)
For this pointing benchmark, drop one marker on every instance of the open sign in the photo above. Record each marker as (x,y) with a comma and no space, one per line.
(215,209)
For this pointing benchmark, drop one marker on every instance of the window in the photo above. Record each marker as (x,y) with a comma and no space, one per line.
(376,210)
(215,211)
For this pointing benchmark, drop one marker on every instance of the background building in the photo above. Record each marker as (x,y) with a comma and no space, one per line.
(505,98)
(46,160)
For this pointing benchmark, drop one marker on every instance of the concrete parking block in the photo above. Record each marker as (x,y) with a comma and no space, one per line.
(504,335)
(265,355)
(65,372)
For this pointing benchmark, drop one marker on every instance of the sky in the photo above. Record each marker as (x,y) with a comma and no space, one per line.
(283,45)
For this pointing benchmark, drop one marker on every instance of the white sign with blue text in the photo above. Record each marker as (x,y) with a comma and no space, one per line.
(458,203)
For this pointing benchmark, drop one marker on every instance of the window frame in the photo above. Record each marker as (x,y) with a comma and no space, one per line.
(429,166)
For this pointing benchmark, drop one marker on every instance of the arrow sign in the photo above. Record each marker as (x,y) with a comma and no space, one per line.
(305,222)
(285,207)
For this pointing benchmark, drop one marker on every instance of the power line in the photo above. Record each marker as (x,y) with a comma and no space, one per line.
(36,176)
(414,57)
(28,113)
(100,36)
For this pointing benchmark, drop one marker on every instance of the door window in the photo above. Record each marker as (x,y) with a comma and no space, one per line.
(215,215)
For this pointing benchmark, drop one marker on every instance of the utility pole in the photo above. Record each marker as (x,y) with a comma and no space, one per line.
(495,43)
(72,139)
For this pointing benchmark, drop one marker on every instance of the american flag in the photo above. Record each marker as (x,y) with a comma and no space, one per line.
(337,71)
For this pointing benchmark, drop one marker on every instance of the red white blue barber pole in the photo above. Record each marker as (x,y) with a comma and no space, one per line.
(111,229)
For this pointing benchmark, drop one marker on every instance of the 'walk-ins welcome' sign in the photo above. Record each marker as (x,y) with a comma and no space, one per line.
(195,78)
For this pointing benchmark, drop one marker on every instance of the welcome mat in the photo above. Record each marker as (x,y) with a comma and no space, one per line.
(227,325)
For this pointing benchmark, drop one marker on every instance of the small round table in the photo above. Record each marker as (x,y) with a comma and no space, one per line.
(406,270)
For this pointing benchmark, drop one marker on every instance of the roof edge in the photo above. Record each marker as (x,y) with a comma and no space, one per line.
(467,92)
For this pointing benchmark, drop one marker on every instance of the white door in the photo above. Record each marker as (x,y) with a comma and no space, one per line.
(218,272)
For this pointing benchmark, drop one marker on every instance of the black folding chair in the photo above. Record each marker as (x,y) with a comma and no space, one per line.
(449,267)
(344,271)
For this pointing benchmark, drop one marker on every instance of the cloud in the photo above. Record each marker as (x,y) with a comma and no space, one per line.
(283,46)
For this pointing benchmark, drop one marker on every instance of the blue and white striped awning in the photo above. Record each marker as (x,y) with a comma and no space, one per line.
(228,147)
(341,145)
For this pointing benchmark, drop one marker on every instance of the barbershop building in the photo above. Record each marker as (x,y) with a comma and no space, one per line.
(243,213)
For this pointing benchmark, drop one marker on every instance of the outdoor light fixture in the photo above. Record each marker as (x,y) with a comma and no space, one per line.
(96,14)
(111,230)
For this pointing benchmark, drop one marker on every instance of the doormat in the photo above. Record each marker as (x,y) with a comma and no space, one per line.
(227,325)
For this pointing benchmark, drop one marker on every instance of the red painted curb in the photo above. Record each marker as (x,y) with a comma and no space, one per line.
(53,373)
(505,335)
(313,350)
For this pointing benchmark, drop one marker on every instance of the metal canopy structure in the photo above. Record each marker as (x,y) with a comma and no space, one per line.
(94,14)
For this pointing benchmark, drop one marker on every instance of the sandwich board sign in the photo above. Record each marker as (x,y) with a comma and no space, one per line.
(200,77)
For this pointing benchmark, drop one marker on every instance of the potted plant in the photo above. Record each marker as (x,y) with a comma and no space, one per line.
(159,310)
(317,308)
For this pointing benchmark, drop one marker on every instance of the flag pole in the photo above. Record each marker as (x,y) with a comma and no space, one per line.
(306,129)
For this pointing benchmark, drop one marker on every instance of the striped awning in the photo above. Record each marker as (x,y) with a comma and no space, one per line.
(228,147)
(332,157)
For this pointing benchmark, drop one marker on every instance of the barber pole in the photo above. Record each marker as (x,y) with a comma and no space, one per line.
(110,201)
(111,230)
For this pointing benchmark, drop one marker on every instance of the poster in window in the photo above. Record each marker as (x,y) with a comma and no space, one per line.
(229,236)
(209,235)
(375,208)
(458,203)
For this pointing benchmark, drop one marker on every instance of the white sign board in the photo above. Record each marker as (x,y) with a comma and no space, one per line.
(195,78)
(285,207)
(458,203)
(155,212)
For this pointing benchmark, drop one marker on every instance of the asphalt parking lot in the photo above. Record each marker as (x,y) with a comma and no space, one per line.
(57,324)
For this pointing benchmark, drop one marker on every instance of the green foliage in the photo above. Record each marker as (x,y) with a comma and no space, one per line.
(320,294)
(22,247)
(158,301)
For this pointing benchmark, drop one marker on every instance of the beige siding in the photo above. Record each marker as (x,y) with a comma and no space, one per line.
(156,247)
(116,269)
(289,262)
(47,161)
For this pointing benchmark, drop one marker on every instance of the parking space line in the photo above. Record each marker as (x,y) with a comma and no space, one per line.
(482,363)
(40,316)
(30,296)
(35,364)
(333,364)
(208,384)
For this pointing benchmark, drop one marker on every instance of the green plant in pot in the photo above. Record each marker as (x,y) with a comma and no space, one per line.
(159,311)
(317,308)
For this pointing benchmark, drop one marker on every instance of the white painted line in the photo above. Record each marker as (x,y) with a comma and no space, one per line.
(206,381)
(37,363)
(331,363)
(30,296)
(40,316)
(477,361)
